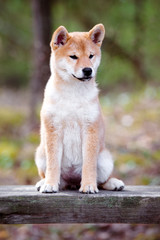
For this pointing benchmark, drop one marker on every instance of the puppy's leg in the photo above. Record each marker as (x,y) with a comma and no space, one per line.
(40,160)
(104,171)
(104,166)
(53,157)
(89,168)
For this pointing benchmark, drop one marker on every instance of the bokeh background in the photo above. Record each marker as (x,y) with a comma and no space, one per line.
(129,81)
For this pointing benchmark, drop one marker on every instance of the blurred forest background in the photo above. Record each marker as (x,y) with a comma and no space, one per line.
(130,96)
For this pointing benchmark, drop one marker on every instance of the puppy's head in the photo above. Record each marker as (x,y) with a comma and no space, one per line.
(76,56)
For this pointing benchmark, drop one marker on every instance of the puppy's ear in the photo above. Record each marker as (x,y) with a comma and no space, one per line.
(97,34)
(59,38)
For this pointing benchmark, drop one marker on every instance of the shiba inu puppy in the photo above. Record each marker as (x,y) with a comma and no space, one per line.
(72,149)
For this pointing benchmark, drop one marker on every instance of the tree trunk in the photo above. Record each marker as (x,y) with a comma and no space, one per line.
(139,36)
(41,11)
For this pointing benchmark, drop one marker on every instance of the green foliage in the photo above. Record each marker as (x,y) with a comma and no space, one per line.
(10,117)
(8,154)
(16,150)
(114,71)
(15,42)
(10,120)
(119,18)
(33,138)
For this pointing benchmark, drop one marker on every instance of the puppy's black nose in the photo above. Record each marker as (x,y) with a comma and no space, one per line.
(87,72)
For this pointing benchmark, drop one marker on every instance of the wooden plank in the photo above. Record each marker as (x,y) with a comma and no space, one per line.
(24,205)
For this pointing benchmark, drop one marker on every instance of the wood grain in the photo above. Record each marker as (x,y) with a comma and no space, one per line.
(24,205)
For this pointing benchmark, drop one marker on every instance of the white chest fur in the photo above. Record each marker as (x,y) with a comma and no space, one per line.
(72,103)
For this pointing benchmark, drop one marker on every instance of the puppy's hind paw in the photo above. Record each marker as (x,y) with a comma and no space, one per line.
(114,184)
(39,184)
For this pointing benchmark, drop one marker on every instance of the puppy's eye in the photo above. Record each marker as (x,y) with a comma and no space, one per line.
(73,57)
(91,56)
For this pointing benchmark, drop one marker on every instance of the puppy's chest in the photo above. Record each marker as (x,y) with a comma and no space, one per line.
(69,114)
(70,119)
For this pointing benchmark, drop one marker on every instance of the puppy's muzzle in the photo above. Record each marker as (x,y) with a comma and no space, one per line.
(87,74)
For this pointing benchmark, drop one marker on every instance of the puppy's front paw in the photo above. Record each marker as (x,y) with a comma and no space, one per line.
(88,188)
(114,184)
(47,188)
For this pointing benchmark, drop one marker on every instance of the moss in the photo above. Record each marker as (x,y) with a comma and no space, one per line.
(131,201)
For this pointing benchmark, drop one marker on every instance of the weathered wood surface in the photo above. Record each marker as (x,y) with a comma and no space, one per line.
(23,204)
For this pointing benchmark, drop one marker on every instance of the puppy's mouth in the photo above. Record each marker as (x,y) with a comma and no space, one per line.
(82,79)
